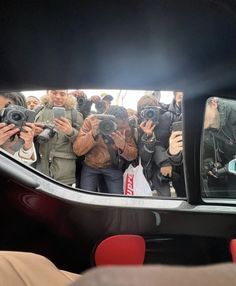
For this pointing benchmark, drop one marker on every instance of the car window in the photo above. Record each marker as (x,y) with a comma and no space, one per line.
(82,138)
(218,149)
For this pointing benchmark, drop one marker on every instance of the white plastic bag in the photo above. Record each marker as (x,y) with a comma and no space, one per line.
(135,183)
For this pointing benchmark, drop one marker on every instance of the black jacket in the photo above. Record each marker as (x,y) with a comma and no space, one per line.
(219,145)
(153,150)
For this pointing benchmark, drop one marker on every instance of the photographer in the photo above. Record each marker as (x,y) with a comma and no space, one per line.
(174,114)
(175,149)
(153,142)
(219,147)
(57,158)
(105,148)
(32,102)
(16,141)
(83,103)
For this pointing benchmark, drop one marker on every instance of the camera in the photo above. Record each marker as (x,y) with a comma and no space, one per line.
(107,124)
(163,179)
(100,106)
(217,169)
(133,122)
(84,105)
(48,132)
(81,101)
(151,113)
(18,115)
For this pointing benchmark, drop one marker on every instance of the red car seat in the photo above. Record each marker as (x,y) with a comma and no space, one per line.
(233,249)
(122,249)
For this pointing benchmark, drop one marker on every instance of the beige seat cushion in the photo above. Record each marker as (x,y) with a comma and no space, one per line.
(22,268)
(214,275)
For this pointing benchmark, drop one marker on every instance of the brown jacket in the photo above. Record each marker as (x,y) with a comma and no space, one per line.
(96,151)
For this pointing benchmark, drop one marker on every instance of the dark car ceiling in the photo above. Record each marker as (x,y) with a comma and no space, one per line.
(183,44)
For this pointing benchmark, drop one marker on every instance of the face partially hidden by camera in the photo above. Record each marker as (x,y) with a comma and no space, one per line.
(150,113)
(109,124)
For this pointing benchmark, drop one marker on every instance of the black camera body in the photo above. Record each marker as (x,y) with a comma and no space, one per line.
(17,115)
(100,106)
(218,170)
(48,132)
(151,113)
(163,179)
(107,124)
(81,101)
(133,123)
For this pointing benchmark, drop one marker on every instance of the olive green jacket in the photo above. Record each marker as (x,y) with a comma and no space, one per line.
(56,157)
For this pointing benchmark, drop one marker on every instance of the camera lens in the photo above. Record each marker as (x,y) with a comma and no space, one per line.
(100,106)
(106,127)
(81,100)
(16,116)
(149,114)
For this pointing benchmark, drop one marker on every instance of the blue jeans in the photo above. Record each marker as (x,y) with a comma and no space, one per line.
(112,177)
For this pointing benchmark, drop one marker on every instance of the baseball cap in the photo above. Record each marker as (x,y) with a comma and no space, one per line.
(106,96)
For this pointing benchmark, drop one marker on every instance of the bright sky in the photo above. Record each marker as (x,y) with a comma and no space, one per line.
(126,98)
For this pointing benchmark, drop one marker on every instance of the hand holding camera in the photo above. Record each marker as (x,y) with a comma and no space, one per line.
(27,134)
(176,143)
(6,131)
(119,139)
(150,113)
(147,127)
(95,126)
(38,128)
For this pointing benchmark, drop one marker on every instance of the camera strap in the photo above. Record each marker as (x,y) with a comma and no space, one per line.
(115,158)
(74,114)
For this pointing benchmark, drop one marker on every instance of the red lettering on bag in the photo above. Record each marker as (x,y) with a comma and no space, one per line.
(129,185)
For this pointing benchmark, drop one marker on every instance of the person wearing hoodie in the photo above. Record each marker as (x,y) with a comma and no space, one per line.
(57,158)
(218,148)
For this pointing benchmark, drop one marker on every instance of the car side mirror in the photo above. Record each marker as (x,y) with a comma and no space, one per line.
(231,168)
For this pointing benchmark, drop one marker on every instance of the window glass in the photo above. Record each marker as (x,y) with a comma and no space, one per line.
(218,149)
(108,141)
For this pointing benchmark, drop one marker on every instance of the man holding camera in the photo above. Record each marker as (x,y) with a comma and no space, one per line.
(56,135)
(154,132)
(102,103)
(219,148)
(106,142)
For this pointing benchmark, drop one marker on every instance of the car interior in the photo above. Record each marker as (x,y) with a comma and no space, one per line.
(138,45)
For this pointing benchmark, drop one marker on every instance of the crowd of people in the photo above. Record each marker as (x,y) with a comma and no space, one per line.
(92,149)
